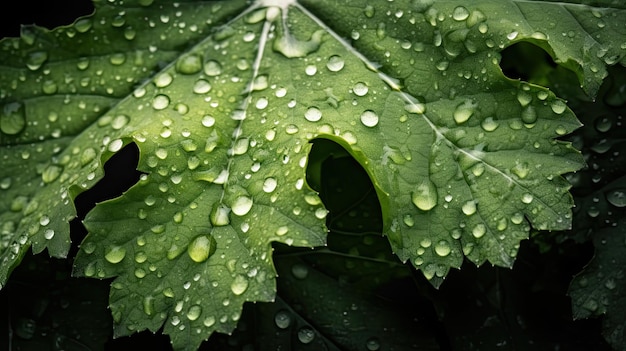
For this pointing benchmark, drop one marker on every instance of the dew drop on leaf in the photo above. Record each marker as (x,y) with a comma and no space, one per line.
(239,285)
(479,230)
(212,68)
(189,64)
(160,102)
(360,89)
(369,118)
(194,312)
(299,271)
(617,197)
(306,335)
(201,248)
(313,114)
(489,124)
(460,13)
(282,319)
(115,254)
(12,118)
(464,111)
(269,185)
(372,344)
(219,216)
(335,63)
(469,208)
(51,173)
(36,59)
(425,196)
(242,205)
(442,248)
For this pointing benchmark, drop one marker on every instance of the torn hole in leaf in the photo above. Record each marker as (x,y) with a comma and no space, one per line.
(120,173)
(350,197)
(528,62)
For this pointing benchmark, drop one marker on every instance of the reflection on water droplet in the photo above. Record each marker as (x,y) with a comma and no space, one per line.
(335,63)
(201,248)
(617,197)
(160,102)
(442,248)
(558,106)
(306,335)
(282,319)
(425,195)
(469,208)
(51,173)
(212,68)
(372,344)
(300,271)
(479,230)
(115,254)
(12,118)
(369,118)
(242,205)
(313,114)
(464,111)
(189,64)
(239,285)
(269,185)
(219,216)
(360,89)
(460,13)
(489,124)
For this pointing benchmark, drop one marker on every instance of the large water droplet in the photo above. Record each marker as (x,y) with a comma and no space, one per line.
(201,248)
(51,173)
(464,111)
(442,248)
(242,205)
(219,216)
(425,196)
(35,60)
(194,312)
(115,254)
(291,47)
(269,185)
(369,118)
(335,63)
(239,285)
(160,102)
(313,114)
(360,89)
(617,197)
(460,13)
(189,64)
(212,68)
(12,118)
(282,319)
(306,335)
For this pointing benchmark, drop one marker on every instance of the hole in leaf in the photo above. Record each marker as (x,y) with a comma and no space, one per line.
(120,173)
(528,62)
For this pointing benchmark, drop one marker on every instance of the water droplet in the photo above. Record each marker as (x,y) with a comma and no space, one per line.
(201,86)
(48,234)
(617,197)
(521,170)
(36,59)
(469,208)
(489,124)
(313,114)
(479,230)
(194,312)
(558,106)
(209,321)
(527,198)
(529,115)
(306,334)
(51,173)
(369,11)
(239,285)
(219,216)
(189,64)
(300,271)
(269,185)
(360,89)
(212,68)
(282,319)
(201,248)
(291,47)
(460,13)
(12,118)
(442,248)
(464,111)
(524,98)
(115,254)
(160,102)
(335,63)
(372,344)
(425,195)
(369,118)
(242,205)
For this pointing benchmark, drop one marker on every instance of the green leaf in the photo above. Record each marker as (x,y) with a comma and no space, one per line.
(223,99)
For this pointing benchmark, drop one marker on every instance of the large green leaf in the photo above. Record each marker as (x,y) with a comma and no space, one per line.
(223,98)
